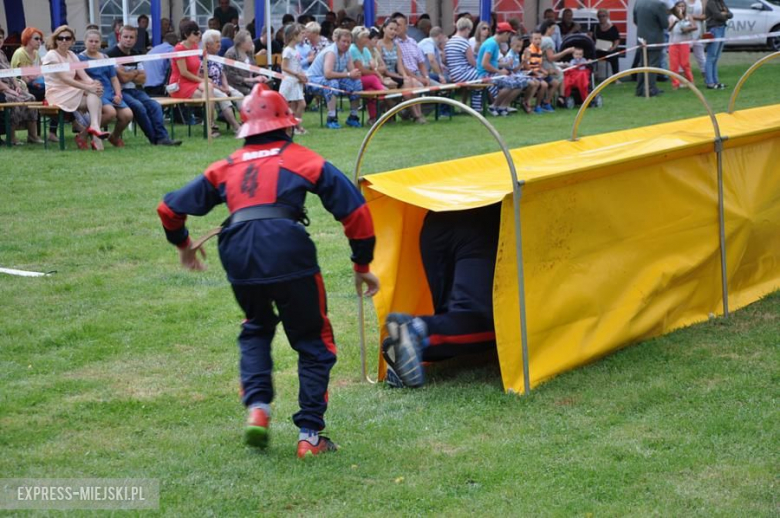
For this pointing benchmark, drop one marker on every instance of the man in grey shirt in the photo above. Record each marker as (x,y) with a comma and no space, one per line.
(651,20)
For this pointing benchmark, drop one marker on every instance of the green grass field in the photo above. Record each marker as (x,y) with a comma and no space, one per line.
(123,365)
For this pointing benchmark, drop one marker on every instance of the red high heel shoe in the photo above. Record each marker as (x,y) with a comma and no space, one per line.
(102,135)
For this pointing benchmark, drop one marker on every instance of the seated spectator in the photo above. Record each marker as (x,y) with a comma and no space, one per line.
(260,45)
(73,90)
(242,51)
(146,111)
(412,56)
(219,81)
(114,107)
(514,63)
(533,61)
(348,23)
(393,66)
(461,63)
(312,44)
(183,23)
(14,90)
(143,42)
(287,19)
(294,76)
(363,61)
(326,31)
(504,89)
(116,29)
(568,25)
(186,81)
(549,58)
(28,55)
(431,49)
(165,26)
(157,70)
(228,34)
(334,68)
(374,36)
(481,34)
(224,13)
(420,30)
(550,16)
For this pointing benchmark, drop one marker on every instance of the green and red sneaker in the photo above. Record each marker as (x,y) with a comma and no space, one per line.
(307,449)
(256,429)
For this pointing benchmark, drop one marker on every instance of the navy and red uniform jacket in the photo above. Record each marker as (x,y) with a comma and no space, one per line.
(276,172)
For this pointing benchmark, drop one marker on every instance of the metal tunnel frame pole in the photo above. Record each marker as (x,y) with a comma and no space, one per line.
(718,154)
(749,72)
(516,193)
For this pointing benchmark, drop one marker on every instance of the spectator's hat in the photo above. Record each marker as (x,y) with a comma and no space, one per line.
(505,27)
(264,110)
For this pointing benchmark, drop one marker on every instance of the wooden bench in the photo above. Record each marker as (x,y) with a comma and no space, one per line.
(46,111)
(377,95)
(171,102)
(261,59)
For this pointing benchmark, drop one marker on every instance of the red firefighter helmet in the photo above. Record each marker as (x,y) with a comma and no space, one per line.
(264,110)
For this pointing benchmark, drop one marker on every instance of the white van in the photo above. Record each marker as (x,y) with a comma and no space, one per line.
(752,17)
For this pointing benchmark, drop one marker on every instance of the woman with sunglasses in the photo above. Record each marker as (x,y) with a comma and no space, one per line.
(27,56)
(73,90)
(481,34)
(186,80)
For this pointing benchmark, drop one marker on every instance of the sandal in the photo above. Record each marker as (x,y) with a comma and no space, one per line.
(116,141)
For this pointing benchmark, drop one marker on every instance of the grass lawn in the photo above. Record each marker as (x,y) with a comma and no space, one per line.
(124,365)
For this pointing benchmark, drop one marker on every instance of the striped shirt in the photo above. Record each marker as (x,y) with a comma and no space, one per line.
(457,63)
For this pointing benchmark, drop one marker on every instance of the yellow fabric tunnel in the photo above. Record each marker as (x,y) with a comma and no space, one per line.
(620,235)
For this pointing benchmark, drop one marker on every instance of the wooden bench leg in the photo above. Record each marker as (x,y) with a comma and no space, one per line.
(7,117)
(61,127)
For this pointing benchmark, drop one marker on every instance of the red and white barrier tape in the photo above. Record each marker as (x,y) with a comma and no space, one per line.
(81,65)
(64,67)
(668,44)
(265,72)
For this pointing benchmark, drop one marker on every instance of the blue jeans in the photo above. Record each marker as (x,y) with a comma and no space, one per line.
(713,55)
(147,113)
(345,83)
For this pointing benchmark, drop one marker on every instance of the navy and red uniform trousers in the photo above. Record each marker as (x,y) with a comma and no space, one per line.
(458,251)
(273,262)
